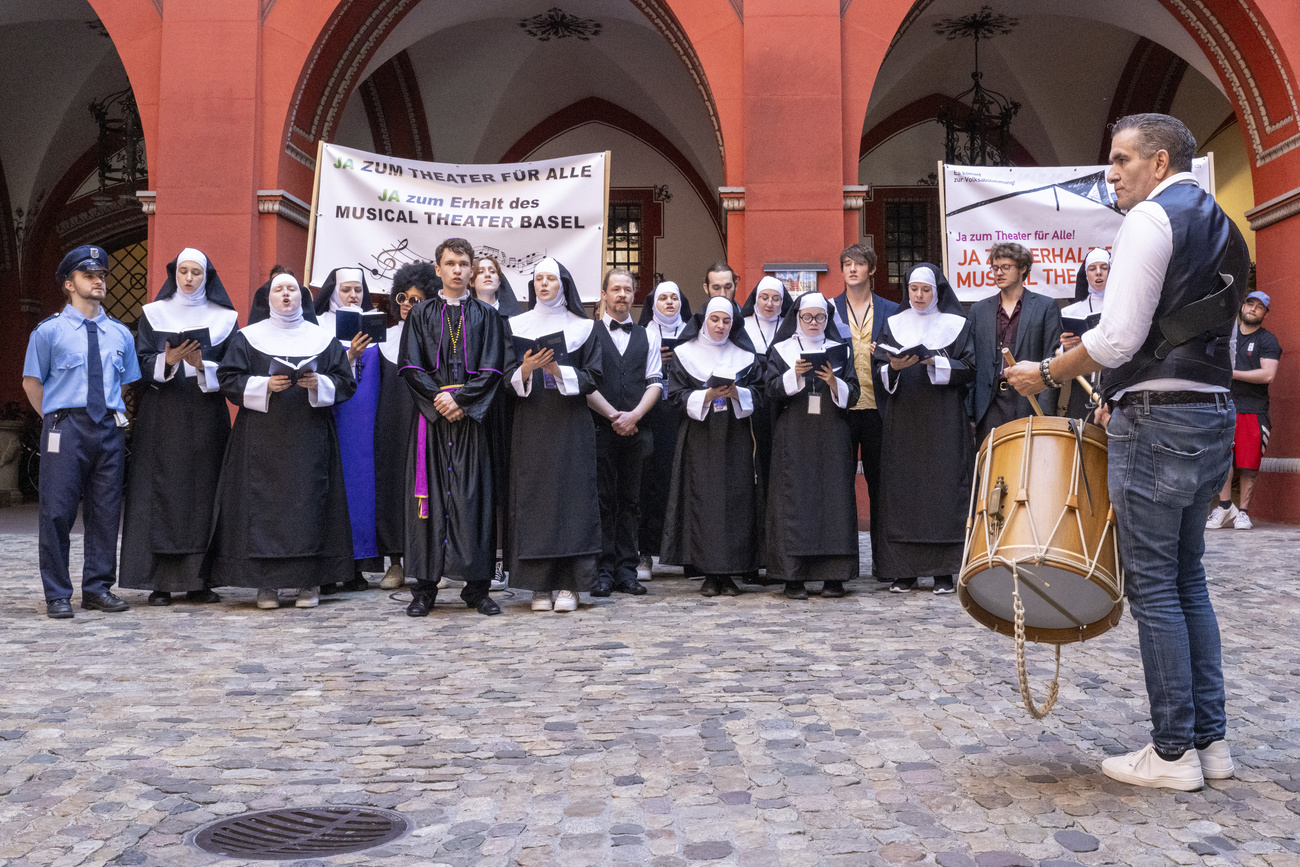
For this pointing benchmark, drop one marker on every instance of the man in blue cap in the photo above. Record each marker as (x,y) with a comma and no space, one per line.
(1255,356)
(77,363)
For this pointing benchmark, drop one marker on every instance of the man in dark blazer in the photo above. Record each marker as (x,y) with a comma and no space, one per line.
(859,315)
(1025,322)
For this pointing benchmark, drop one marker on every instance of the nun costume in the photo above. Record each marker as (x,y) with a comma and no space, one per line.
(282,512)
(1087,302)
(453,345)
(555,534)
(179,437)
(762,332)
(394,421)
(500,417)
(713,526)
(356,422)
(927,453)
(812,516)
(663,421)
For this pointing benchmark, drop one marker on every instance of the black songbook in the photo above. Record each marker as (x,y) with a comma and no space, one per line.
(670,342)
(554,342)
(373,323)
(836,355)
(717,381)
(921,352)
(176,338)
(1080,326)
(295,371)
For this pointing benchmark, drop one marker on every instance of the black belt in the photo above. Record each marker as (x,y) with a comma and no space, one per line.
(1171,398)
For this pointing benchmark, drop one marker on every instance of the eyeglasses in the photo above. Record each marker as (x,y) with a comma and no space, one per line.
(1002,269)
(405,298)
(812,318)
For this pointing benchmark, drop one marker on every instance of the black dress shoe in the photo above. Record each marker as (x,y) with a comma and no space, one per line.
(202,597)
(160,599)
(356,584)
(795,590)
(486,606)
(727,587)
(833,589)
(604,586)
(103,602)
(329,589)
(58,609)
(420,605)
(709,587)
(630,586)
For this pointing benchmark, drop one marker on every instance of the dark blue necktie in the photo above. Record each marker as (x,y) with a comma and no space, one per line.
(95,406)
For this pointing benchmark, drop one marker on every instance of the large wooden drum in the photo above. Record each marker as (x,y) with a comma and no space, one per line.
(1041,533)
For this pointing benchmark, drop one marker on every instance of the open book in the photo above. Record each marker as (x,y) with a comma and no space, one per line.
(176,338)
(921,352)
(1079,326)
(295,371)
(373,323)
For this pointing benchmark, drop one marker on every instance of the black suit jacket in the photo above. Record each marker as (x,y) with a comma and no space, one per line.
(882,309)
(1037,336)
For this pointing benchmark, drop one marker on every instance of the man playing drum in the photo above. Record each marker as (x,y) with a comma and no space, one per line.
(1169,419)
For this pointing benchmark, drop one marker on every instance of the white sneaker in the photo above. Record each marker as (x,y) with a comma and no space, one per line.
(542,601)
(1216,761)
(566,600)
(1242,521)
(447,583)
(644,567)
(1220,517)
(308,597)
(268,598)
(394,578)
(1146,768)
(500,578)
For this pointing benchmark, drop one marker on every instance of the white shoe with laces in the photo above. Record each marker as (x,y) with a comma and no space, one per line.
(1216,761)
(1146,768)
(308,597)
(542,601)
(1220,517)
(268,599)
(1242,521)
(566,600)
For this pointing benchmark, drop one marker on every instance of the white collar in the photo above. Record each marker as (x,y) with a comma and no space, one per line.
(392,342)
(541,321)
(303,341)
(173,316)
(701,360)
(933,330)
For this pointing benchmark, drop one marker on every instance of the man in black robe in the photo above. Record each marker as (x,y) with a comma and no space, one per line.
(452,355)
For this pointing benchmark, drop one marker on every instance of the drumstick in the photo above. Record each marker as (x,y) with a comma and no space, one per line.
(1087,386)
(1033,401)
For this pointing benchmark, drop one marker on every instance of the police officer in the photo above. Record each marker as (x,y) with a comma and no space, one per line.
(77,364)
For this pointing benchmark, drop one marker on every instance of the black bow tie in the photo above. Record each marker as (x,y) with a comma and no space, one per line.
(626,326)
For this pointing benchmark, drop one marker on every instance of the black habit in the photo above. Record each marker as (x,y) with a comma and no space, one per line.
(282,512)
(177,442)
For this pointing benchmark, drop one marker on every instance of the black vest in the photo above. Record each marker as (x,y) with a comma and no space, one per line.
(623,381)
(1205,242)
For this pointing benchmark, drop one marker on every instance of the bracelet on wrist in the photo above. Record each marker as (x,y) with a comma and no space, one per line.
(1045,371)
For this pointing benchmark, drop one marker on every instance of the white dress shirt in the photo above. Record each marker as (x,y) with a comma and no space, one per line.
(654,363)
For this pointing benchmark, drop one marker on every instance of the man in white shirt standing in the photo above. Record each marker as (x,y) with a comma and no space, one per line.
(1163,341)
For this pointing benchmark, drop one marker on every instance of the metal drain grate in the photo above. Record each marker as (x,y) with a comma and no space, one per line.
(291,833)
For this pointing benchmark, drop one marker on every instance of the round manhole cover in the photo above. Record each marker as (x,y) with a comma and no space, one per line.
(291,833)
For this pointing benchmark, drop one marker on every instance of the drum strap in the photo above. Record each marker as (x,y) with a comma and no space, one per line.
(1076,427)
(1052,691)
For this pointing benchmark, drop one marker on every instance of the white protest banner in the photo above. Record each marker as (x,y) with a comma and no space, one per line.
(1058,212)
(379,213)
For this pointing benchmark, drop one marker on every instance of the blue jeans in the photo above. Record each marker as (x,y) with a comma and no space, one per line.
(1165,462)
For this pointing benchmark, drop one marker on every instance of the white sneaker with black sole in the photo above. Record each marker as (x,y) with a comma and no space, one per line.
(1146,768)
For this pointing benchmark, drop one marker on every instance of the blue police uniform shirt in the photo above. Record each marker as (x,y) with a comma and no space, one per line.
(56,355)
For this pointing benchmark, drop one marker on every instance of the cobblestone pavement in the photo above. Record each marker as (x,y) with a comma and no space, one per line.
(663,730)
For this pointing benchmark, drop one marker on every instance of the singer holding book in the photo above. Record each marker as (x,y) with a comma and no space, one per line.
(927,454)
(179,436)
(812,526)
(282,515)
(714,523)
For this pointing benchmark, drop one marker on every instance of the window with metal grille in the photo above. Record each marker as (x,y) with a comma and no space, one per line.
(128,286)
(906,238)
(623,241)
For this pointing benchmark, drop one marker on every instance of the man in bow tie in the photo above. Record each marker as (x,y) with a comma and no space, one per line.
(632,383)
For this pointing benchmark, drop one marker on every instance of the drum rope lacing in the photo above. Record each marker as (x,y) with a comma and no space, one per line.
(1054,690)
